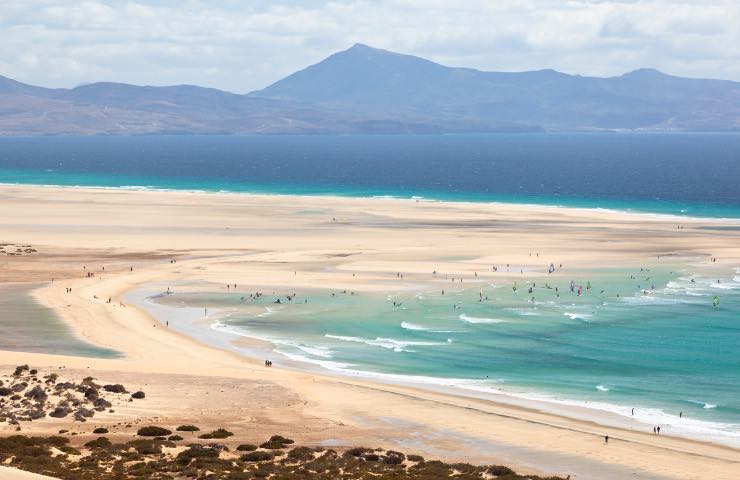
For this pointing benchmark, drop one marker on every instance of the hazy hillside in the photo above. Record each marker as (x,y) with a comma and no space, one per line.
(366,90)
(364,79)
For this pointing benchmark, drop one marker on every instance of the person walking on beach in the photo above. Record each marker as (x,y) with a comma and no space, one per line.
(658,428)
(606,439)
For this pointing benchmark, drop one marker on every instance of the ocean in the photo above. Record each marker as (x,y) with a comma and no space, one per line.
(662,354)
(691,174)
(669,354)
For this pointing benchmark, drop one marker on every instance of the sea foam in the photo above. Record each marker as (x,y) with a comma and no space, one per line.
(471,319)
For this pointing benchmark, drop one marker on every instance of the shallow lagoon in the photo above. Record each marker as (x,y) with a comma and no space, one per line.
(28,326)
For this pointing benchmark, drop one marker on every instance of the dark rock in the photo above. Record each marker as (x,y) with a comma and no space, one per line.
(59,412)
(19,387)
(4,391)
(91,393)
(102,403)
(20,369)
(36,414)
(116,388)
(138,395)
(83,414)
(37,393)
(88,381)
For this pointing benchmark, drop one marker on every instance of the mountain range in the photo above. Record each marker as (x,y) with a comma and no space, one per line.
(367,90)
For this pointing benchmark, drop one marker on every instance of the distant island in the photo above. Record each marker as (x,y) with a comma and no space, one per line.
(367,91)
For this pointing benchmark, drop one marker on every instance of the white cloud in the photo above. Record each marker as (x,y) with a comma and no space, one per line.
(243,45)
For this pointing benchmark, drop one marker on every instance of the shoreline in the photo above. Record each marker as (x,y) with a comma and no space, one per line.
(221,239)
(393,197)
(601,413)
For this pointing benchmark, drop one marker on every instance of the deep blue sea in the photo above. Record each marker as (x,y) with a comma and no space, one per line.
(692,174)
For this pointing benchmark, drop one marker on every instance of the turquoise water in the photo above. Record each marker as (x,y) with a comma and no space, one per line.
(685,174)
(661,350)
(29,327)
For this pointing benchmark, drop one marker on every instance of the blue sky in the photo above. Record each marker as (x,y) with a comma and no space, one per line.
(241,45)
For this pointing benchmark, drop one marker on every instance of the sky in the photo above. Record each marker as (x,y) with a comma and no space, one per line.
(240,45)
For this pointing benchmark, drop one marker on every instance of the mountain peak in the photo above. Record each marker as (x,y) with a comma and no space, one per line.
(359,47)
(363,51)
(645,73)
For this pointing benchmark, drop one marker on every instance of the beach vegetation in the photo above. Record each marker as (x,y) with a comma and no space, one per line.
(187,428)
(153,431)
(100,442)
(276,442)
(257,456)
(145,458)
(217,434)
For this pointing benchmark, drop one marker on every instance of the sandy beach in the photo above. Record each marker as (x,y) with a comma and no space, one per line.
(130,239)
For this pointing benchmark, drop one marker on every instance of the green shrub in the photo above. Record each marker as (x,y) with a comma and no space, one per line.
(187,428)
(100,430)
(357,452)
(100,442)
(153,431)
(69,450)
(258,456)
(196,451)
(146,447)
(246,447)
(276,442)
(393,458)
(498,470)
(219,433)
(301,453)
